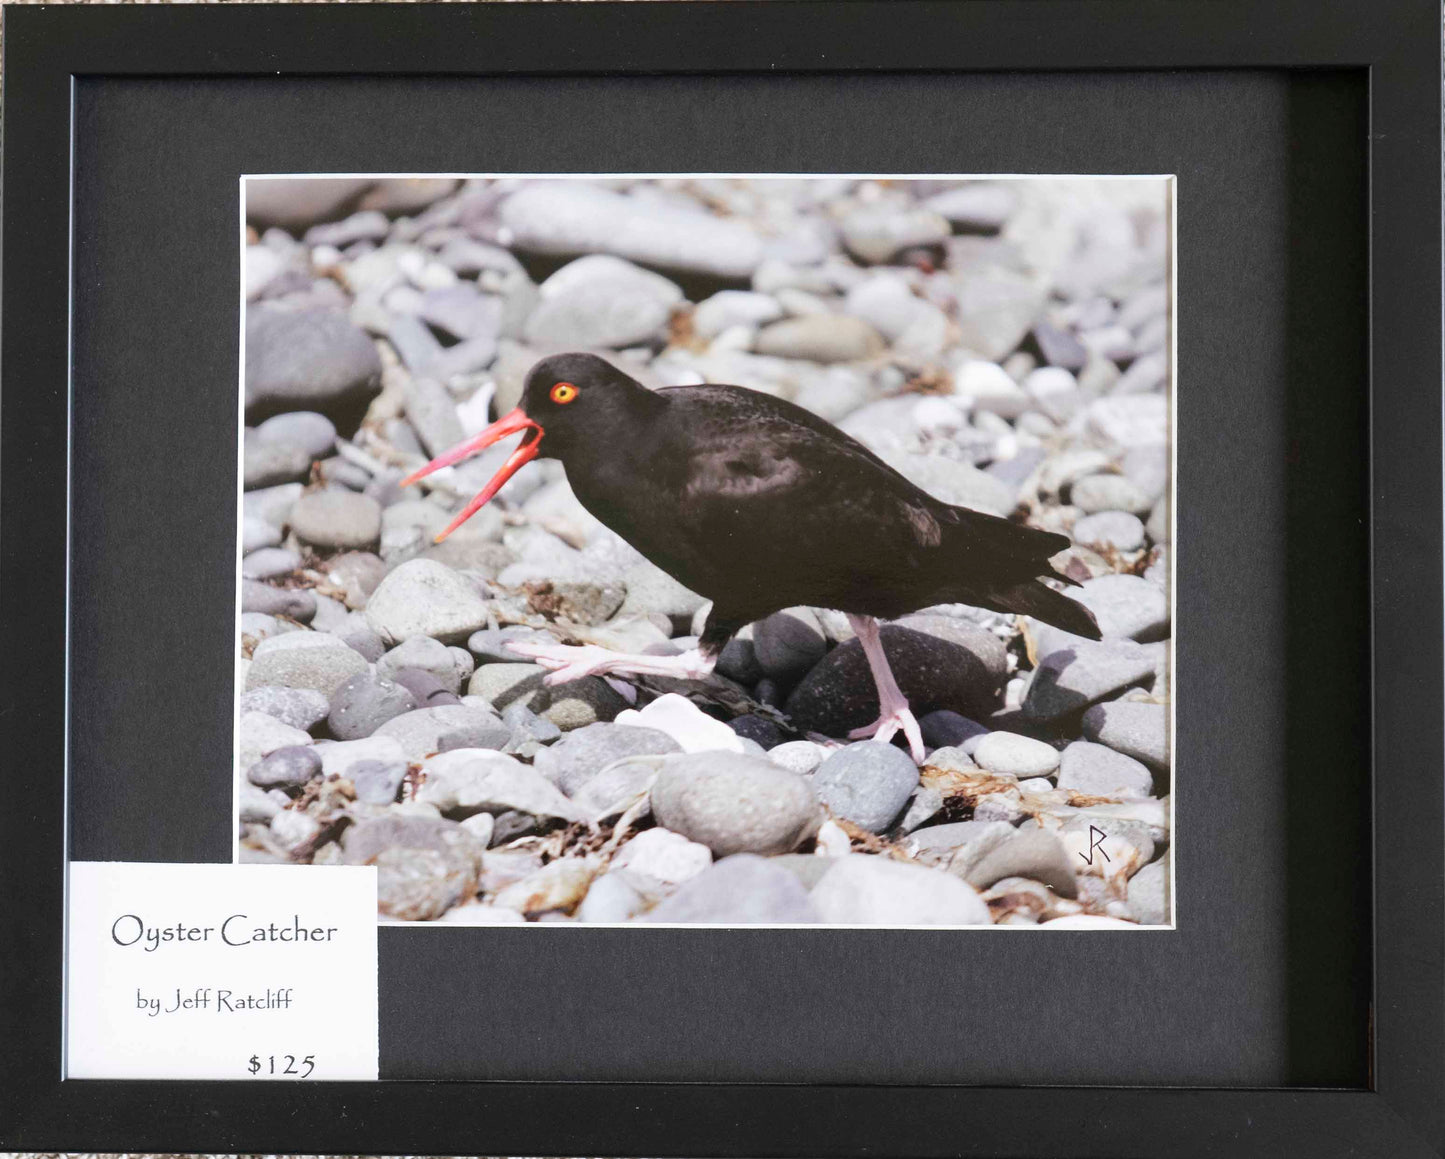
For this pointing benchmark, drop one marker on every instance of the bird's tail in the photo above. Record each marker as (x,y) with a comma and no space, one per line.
(1037,599)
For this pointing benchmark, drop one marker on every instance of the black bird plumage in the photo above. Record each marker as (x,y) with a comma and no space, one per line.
(760,505)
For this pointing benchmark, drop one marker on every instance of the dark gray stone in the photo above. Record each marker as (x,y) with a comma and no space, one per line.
(364,703)
(294,603)
(945,729)
(766,732)
(788,643)
(311,358)
(938,661)
(285,768)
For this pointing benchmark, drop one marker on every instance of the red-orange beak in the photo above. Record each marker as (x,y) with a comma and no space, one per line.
(508,424)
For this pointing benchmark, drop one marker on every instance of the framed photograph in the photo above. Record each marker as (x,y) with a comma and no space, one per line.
(790,579)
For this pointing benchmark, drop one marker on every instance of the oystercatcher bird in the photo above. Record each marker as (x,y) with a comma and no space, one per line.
(760,505)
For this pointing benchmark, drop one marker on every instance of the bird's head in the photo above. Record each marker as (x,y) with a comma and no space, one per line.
(565,397)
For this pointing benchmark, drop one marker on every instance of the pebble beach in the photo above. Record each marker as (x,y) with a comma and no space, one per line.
(1005,344)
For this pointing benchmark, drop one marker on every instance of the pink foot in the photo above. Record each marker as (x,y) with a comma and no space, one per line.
(884,728)
(893,710)
(574,662)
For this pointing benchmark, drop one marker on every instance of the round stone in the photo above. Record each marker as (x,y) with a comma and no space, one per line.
(1010,754)
(337,519)
(425,598)
(734,803)
(285,768)
(364,703)
(303,660)
(866,783)
(584,752)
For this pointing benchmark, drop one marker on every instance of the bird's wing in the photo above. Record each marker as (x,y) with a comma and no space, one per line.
(767,465)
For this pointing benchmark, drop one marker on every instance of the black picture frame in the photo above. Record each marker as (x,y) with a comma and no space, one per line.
(1400,1113)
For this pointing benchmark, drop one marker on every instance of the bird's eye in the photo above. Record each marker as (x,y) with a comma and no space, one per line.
(564,392)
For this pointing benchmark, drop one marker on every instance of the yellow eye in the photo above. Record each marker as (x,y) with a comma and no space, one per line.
(564,392)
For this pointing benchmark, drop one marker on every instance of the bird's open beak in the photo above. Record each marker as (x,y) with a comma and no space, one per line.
(509,424)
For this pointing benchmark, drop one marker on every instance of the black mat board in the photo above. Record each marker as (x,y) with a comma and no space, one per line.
(1271,771)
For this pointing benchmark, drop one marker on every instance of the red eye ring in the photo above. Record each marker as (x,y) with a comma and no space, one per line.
(563,393)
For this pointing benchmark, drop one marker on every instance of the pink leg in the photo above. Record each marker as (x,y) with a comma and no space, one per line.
(893,710)
(572,663)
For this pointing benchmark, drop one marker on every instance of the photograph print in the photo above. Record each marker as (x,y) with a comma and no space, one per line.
(711,549)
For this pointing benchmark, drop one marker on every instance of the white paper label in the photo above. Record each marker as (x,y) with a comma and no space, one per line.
(221,972)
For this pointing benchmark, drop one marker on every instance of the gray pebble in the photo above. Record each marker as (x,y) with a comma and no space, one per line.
(267,464)
(293,603)
(738,661)
(425,865)
(863,890)
(429,655)
(738,890)
(1099,771)
(761,731)
(489,645)
(584,752)
(788,643)
(358,574)
(299,707)
(424,598)
(1126,605)
(303,660)
(337,519)
(377,782)
(285,768)
(866,783)
(1136,729)
(734,803)
(269,562)
(364,703)
(1149,894)
(1029,853)
(313,358)
(1013,755)
(357,635)
(313,432)
(799,756)
(1098,493)
(257,533)
(1110,531)
(449,726)
(1071,678)
(611,898)
(428,691)
(529,731)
